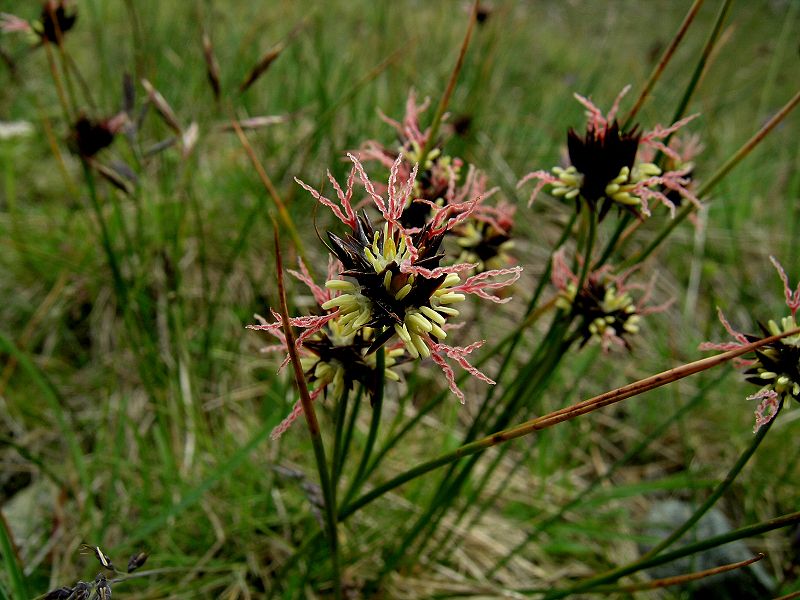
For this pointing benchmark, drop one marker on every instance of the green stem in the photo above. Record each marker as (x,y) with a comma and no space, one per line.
(105,238)
(658,70)
(565,414)
(472,499)
(451,85)
(713,36)
(341,414)
(611,246)
(713,542)
(715,495)
(587,252)
(12,562)
(377,406)
(348,432)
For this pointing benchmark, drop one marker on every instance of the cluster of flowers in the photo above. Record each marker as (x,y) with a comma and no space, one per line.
(386,288)
(484,238)
(604,172)
(776,366)
(391,285)
(604,305)
(610,166)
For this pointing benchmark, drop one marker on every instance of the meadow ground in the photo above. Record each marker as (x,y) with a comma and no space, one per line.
(135,409)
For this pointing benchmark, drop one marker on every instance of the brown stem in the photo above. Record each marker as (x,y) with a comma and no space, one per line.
(665,58)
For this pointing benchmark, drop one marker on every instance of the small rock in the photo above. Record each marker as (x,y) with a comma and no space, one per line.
(748,583)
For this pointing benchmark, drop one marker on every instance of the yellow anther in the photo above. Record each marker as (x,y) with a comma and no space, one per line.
(402,292)
(432,314)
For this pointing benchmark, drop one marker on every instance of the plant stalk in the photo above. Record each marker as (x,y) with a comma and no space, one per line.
(313,426)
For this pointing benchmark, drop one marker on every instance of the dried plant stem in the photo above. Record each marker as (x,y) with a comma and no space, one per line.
(559,416)
(681,579)
(273,192)
(313,425)
(662,63)
(712,181)
(748,146)
(451,86)
(715,495)
(586,492)
(688,550)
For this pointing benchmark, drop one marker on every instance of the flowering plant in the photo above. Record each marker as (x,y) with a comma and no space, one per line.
(603,170)
(776,366)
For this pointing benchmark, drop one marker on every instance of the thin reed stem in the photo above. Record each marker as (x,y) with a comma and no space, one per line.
(565,414)
(655,584)
(313,425)
(451,86)
(715,495)
(586,492)
(688,550)
(338,435)
(377,406)
(658,70)
(587,252)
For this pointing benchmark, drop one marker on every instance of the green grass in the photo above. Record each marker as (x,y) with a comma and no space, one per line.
(143,399)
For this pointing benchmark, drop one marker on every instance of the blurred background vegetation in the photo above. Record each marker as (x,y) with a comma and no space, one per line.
(138,417)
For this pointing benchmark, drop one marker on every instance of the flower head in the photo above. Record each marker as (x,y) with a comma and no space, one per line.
(392,280)
(485,237)
(604,171)
(605,304)
(331,356)
(436,180)
(57,17)
(776,366)
(89,136)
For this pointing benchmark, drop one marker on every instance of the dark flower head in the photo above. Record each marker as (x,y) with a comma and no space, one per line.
(604,171)
(330,356)
(385,288)
(136,561)
(57,18)
(600,156)
(392,280)
(605,306)
(776,366)
(62,593)
(88,136)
